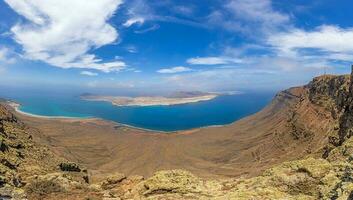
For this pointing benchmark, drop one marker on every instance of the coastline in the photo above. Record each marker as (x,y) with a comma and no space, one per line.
(16,106)
(111,147)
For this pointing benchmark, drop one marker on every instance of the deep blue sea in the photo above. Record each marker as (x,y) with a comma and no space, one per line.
(219,111)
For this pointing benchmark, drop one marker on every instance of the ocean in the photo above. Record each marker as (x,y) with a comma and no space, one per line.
(222,110)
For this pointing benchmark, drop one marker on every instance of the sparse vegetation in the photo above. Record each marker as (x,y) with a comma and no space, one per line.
(43,187)
(70,167)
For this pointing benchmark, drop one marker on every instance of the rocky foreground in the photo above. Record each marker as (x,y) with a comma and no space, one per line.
(29,170)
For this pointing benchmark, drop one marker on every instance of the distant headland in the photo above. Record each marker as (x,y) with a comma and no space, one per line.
(174,99)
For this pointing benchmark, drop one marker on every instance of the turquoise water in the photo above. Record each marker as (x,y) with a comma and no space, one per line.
(219,111)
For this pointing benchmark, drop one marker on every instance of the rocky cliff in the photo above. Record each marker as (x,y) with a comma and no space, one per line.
(29,170)
(317,127)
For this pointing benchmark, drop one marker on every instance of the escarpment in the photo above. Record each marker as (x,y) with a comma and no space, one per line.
(298,147)
(346,120)
(335,94)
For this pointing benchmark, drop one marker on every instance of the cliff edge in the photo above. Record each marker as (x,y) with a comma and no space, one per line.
(313,131)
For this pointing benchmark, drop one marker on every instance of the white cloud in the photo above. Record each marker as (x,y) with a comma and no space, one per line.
(213,60)
(138,12)
(251,17)
(279,45)
(5,56)
(270,73)
(152,28)
(256,11)
(62,33)
(143,11)
(131,49)
(330,42)
(88,73)
(134,20)
(184,10)
(174,70)
(131,69)
(209,80)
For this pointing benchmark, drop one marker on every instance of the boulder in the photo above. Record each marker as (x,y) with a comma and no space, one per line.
(70,167)
(112,180)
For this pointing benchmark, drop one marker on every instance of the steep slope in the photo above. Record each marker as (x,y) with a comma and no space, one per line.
(324,173)
(308,127)
(289,128)
(30,170)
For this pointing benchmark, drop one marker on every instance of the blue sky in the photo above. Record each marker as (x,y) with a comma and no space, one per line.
(148,45)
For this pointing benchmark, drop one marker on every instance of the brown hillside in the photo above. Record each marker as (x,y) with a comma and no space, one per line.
(298,147)
(293,125)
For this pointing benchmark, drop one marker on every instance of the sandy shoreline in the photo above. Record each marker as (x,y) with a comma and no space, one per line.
(16,106)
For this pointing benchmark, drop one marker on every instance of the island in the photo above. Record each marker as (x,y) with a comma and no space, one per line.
(174,99)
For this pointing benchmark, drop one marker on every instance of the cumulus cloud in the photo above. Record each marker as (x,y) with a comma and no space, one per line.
(279,36)
(213,60)
(331,42)
(174,70)
(62,33)
(88,73)
(279,45)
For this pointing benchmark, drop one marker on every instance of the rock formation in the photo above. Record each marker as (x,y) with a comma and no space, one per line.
(30,170)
